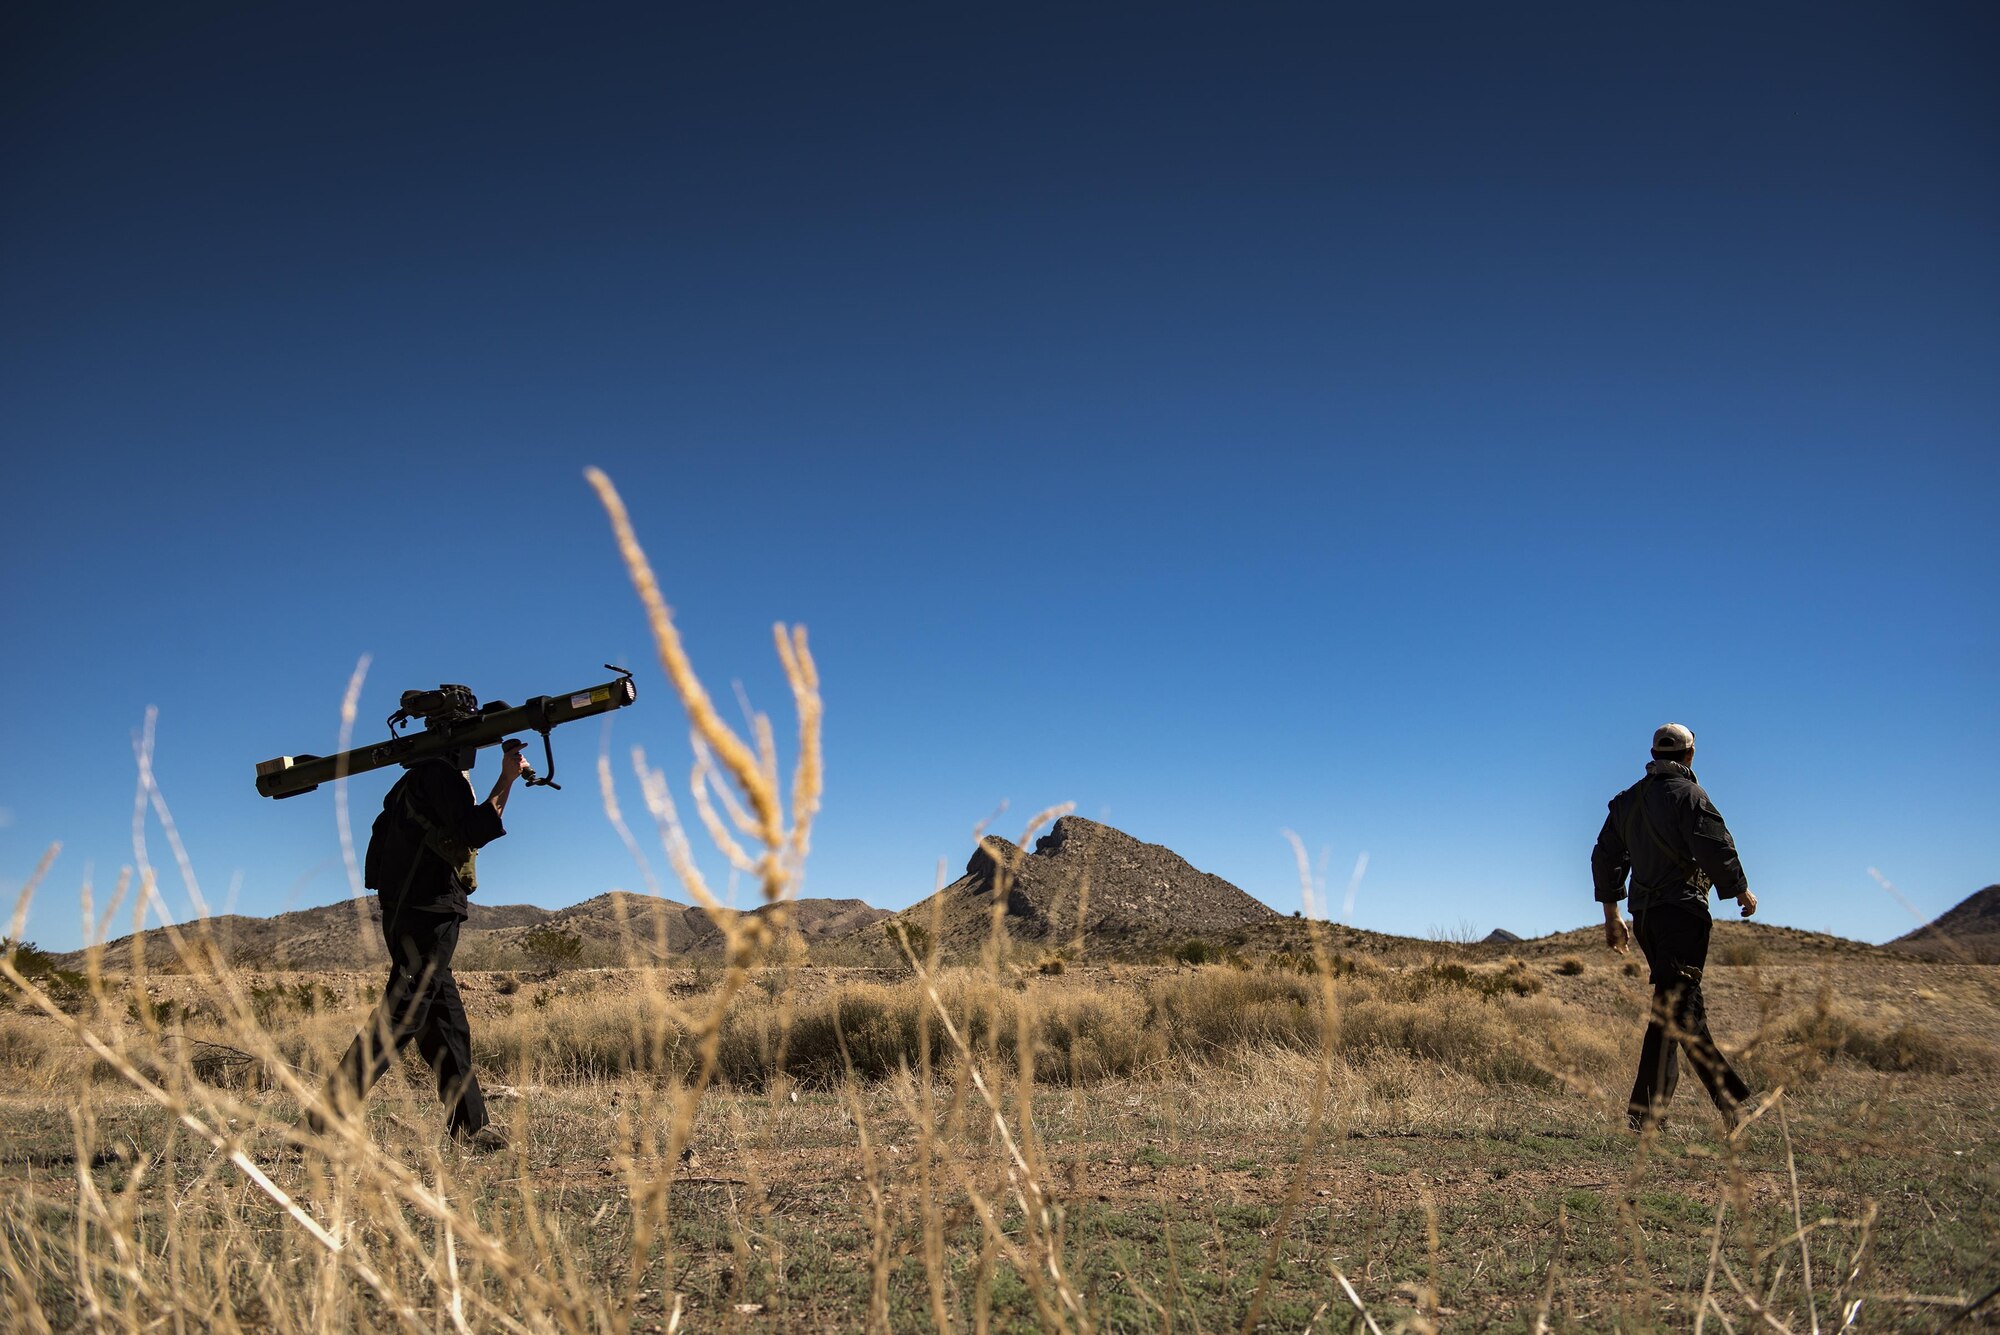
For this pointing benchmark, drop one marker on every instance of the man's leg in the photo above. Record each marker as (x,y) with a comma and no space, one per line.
(1690,1022)
(1659,1066)
(445,1039)
(397,1017)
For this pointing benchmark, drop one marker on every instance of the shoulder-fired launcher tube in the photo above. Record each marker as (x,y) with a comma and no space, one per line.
(288,776)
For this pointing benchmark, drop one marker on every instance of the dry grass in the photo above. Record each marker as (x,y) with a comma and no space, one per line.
(1828,1033)
(1082,1027)
(1298,1141)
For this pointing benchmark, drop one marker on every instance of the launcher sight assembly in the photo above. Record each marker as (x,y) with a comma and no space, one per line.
(454,721)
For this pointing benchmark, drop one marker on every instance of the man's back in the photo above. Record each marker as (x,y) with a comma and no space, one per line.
(421,849)
(1668,836)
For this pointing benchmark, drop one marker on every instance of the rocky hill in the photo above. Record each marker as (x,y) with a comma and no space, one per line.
(642,928)
(1733,940)
(342,935)
(348,934)
(1134,900)
(1123,896)
(1968,930)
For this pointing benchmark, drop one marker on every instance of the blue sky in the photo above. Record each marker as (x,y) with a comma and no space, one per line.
(1367,421)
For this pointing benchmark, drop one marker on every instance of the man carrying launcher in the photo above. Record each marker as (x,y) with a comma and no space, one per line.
(421,859)
(1665,833)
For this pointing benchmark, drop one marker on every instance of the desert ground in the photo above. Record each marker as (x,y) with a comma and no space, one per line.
(1418,1136)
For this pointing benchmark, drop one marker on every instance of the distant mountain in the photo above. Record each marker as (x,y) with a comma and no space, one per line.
(1134,899)
(1968,930)
(1123,896)
(646,928)
(342,935)
(1732,940)
(348,934)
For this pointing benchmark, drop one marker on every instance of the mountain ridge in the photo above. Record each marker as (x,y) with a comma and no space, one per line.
(1090,883)
(1968,930)
(347,934)
(1083,881)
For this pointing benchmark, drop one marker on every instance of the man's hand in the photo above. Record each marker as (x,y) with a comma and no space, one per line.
(1616,934)
(1747,902)
(511,766)
(511,763)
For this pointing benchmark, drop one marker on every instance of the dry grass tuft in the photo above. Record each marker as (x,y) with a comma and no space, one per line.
(1828,1034)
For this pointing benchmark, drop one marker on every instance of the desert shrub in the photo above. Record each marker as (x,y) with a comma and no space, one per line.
(66,987)
(869,1029)
(912,934)
(312,1042)
(25,1045)
(270,1002)
(1827,1034)
(1742,953)
(1052,965)
(1085,1036)
(1213,1011)
(1080,1034)
(1436,977)
(581,1035)
(1570,967)
(1565,1045)
(1194,951)
(1514,979)
(1633,969)
(1510,1042)
(551,948)
(223,1066)
(1443,1030)
(881,1028)
(1307,963)
(171,1013)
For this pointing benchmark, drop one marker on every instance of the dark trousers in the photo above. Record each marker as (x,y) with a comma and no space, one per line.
(1675,940)
(421,1002)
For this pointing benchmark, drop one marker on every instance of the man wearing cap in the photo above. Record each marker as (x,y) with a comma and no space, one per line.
(422,863)
(1668,837)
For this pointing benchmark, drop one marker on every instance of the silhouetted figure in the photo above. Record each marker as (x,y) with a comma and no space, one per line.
(421,864)
(1665,833)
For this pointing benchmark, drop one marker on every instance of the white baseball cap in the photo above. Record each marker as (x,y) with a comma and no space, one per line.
(1672,738)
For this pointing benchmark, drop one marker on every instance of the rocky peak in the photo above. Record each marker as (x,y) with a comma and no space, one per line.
(1123,888)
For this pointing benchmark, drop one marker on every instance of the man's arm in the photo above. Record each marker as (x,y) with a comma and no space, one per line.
(511,766)
(1610,864)
(1714,850)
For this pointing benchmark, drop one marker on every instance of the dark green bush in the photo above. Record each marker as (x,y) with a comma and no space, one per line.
(1446,976)
(66,987)
(551,948)
(912,934)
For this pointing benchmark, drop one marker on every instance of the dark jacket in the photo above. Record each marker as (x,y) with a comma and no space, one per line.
(1669,837)
(424,848)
